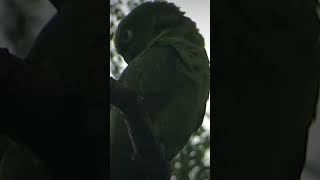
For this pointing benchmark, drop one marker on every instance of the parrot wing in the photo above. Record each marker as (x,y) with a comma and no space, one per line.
(173,76)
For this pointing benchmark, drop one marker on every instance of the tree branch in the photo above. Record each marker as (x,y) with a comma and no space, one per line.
(148,153)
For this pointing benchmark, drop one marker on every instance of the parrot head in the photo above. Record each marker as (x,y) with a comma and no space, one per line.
(143,24)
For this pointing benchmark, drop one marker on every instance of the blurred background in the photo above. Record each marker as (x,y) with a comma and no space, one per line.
(20,22)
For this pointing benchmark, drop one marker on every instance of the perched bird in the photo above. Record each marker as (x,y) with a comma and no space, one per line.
(168,66)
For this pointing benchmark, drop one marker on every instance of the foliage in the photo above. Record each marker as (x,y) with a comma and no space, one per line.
(192,162)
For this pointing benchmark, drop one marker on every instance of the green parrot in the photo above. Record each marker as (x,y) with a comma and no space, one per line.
(169,67)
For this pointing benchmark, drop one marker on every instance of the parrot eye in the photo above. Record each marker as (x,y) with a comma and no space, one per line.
(127,36)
